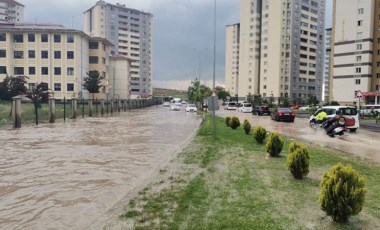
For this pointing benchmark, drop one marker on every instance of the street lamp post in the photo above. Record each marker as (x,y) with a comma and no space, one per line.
(200,52)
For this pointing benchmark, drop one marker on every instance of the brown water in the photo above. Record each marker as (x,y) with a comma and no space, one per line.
(66,176)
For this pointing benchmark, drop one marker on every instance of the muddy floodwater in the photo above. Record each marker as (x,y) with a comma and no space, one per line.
(67,175)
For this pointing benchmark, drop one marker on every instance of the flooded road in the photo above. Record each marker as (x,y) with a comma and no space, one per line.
(363,143)
(65,176)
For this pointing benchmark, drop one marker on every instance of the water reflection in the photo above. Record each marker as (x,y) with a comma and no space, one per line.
(64,176)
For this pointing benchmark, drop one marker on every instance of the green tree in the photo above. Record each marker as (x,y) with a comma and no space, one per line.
(257,99)
(92,82)
(222,95)
(12,86)
(197,92)
(38,94)
(312,100)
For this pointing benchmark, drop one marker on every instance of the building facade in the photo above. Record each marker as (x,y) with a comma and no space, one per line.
(130,31)
(281,48)
(11,11)
(326,73)
(45,53)
(356,51)
(232,58)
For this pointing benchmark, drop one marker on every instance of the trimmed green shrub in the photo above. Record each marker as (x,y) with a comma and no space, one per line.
(234,122)
(342,193)
(246,126)
(293,146)
(227,120)
(274,144)
(298,160)
(259,133)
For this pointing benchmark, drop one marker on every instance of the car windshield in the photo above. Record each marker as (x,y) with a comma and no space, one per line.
(191,105)
(284,110)
(231,104)
(247,105)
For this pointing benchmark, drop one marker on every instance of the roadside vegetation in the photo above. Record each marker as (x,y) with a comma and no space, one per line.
(233,183)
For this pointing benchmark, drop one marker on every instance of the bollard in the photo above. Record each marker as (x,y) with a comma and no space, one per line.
(16,111)
(118,105)
(102,106)
(64,109)
(74,108)
(111,103)
(51,110)
(89,101)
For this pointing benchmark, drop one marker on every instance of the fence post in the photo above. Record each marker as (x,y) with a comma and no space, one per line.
(89,107)
(74,108)
(16,111)
(51,110)
(64,109)
(111,103)
(102,106)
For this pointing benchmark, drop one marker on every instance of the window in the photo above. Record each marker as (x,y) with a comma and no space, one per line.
(31,54)
(57,38)
(3,70)
(31,86)
(359,46)
(18,54)
(18,70)
(357,81)
(70,54)
(358,58)
(70,71)
(57,54)
(70,87)
(360,10)
(358,70)
(44,54)
(31,37)
(3,37)
(32,70)
(359,35)
(57,86)
(94,45)
(3,53)
(44,38)
(378,64)
(44,70)
(104,46)
(57,70)
(70,38)
(94,60)
(18,38)
(104,61)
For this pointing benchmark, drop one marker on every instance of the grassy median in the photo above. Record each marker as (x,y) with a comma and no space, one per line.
(232,183)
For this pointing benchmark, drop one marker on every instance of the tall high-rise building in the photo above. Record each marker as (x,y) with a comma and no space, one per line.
(130,31)
(326,73)
(281,48)
(232,58)
(356,50)
(11,11)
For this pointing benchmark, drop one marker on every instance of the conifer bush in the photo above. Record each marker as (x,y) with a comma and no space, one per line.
(274,144)
(298,160)
(234,122)
(342,193)
(246,126)
(259,133)
(227,120)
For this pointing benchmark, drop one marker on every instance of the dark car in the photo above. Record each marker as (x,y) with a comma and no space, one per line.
(283,114)
(261,110)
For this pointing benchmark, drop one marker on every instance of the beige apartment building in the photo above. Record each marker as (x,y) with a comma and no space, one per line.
(232,58)
(281,48)
(356,51)
(45,53)
(11,11)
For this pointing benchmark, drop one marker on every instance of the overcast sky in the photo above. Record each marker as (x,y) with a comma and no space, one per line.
(182,32)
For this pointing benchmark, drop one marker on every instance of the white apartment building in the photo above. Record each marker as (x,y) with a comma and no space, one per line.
(356,50)
(11,11)
(281,48)
(45,53)
(326,73)
(232,58)
(130,31)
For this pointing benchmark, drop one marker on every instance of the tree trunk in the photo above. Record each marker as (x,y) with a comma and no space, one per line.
(36,111)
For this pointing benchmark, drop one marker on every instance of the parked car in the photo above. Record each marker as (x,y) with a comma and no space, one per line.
(305,107)
(166,104)
(245,108)
(261,110)
(369,109)
(230,106)
(296,107)
(283,114)
(175,107)
(347,111)
(191,108)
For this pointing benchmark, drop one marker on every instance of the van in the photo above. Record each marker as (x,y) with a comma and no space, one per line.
(369,109)
(230,106)
(348,111)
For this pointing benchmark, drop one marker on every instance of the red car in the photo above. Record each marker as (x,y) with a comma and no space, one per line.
(283,114)
(296,107)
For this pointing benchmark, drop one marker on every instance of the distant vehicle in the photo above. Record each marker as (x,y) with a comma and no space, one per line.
(261,110)
(305,107)
(245,108)
(283,114)
(166,104)
(230,106)
(183,102)
(175,107)
(296,107)
(191,108)
(177,100)
(369,109)
(350,112)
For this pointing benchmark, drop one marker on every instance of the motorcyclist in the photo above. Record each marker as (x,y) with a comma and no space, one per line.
(321,117)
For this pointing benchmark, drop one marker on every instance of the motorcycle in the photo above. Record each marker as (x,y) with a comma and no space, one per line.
(336,126)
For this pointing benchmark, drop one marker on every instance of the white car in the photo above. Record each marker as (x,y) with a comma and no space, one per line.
(175,107)
(306,107)
(230,106)
(166,104)
(245,108)
(191,108)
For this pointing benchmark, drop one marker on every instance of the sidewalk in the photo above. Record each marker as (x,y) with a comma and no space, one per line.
(370,124)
